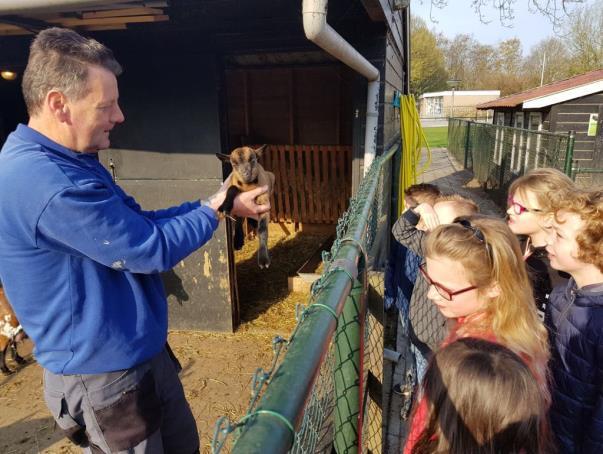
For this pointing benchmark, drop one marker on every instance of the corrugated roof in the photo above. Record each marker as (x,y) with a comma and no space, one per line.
(517,99)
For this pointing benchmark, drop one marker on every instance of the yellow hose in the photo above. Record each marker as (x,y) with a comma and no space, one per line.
(413,138)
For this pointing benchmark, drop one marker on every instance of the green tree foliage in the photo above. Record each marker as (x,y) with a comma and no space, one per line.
(427,68)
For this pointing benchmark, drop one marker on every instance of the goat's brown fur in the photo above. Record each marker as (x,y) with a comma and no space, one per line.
(248,174)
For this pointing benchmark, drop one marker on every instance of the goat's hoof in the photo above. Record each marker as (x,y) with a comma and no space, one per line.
(6,372)
(264,262)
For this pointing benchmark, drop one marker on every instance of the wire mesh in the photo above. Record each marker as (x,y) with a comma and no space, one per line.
(499,154)
(347,382)
(316,430)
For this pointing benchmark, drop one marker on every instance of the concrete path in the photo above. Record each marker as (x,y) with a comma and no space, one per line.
(450,177)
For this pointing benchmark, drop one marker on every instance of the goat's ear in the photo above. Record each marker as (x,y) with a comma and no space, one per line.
(260,150)
(223,157)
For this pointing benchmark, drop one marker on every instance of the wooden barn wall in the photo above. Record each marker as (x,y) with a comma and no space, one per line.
(574,115)
(296,105)
(394,82)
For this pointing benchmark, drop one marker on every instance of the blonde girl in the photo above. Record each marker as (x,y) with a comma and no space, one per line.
(478,280)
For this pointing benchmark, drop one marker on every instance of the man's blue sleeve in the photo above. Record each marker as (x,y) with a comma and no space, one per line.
(158,214)
(91,220)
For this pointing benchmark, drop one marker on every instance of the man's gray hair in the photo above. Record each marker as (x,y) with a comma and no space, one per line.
(59,60)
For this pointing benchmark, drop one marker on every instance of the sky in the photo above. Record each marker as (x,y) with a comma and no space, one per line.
(459,17)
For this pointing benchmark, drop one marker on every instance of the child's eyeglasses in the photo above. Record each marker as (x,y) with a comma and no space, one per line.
(444,292)
(518,208)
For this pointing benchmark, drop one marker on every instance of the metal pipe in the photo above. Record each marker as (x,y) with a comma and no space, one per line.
(20,7)
(346,376)
(569,153)
(317,30)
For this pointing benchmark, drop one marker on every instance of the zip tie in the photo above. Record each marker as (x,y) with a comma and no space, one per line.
(360,246)
(327,308)
(270,413)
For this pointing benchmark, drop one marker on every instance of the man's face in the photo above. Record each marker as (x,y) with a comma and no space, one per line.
(93,116)
(561,242)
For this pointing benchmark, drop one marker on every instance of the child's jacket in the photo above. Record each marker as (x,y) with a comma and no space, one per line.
(575,321)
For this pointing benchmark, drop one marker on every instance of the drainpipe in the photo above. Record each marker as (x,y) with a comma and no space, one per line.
(322,34)
(20,7)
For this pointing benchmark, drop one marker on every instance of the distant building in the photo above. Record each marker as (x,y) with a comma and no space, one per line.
(574,104)
(455,103)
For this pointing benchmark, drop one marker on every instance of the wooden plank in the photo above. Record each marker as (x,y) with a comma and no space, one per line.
(278,201)
(317,193)
(334,184)
(10,28)
(96,28)
(326,193)
(122,12)
(75,22)
(341,190)
(348,175)
(301,174)
(308,183)
(293,181)
(285,180)
(265,162)
(16,31)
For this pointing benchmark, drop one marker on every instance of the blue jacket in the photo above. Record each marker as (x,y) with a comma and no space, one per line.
(79,259)
(400,275)
(575,321)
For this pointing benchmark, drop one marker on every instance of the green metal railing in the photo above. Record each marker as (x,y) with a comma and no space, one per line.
(316,397)
(498,154)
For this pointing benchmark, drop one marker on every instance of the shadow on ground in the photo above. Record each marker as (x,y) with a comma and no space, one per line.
(259,290)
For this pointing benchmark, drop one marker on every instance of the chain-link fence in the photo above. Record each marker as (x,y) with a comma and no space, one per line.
(498,154)
(325,392)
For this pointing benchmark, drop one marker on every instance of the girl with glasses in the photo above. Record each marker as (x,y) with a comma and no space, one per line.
(478,280)
(529,208)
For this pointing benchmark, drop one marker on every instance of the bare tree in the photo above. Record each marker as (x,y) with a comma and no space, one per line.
(584,38)
(556,11)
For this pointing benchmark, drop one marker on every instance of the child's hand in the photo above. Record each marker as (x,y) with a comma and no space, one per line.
(428,216)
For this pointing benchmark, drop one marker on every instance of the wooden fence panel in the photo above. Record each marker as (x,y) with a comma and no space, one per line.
(312,182)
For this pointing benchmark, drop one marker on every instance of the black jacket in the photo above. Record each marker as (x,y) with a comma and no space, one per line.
(574,318)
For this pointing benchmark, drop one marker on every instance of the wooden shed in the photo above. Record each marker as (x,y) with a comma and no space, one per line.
(574,104)
(202,77)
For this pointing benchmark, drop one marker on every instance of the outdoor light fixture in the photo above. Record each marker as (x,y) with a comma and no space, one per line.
(8,75)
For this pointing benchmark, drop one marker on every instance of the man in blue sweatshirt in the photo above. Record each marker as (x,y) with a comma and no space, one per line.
(79,259)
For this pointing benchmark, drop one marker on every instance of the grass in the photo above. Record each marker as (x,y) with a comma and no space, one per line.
(437,137)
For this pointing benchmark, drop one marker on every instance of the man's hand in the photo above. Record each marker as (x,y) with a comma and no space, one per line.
(244,203)
(429,218)
(245,206)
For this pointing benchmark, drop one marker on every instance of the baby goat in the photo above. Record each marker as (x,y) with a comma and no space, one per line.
(11,332)
(248,174)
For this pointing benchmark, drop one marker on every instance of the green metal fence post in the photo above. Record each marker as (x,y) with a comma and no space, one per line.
(467,141)
(569,154)
(347,370)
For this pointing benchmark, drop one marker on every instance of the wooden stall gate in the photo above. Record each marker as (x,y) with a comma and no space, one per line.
(313,183)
